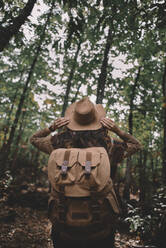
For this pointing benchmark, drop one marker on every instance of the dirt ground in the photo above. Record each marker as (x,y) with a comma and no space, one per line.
(24,222)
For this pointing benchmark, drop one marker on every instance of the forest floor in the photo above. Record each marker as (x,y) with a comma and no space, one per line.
(24,222)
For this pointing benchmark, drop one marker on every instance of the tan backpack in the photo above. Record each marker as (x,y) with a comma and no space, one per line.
(85,203)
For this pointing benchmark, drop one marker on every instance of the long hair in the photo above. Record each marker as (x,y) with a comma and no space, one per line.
(80,139)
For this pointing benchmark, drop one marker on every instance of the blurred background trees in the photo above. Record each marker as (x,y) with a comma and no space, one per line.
(55,52)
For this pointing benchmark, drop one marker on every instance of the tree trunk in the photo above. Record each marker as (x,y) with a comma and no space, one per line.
(6,130)
(6,33)
(126,193)
(20,132)
(23,95)
(103,74)
(21,102)
(69,82)
(164,125)
(130,119)
(76,94)
(142,181)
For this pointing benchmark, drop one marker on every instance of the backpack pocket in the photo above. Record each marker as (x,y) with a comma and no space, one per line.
(95,169)
(78,213)
(60,166)
(89,162)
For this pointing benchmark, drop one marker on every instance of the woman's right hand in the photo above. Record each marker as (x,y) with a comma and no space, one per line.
(58,123)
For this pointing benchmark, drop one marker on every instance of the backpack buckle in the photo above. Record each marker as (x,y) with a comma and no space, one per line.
(87,167)
(64,168)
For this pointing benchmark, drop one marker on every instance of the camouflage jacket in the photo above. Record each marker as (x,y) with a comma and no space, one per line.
(117,149)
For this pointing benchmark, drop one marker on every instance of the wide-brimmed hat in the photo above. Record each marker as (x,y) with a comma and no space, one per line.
(84,115)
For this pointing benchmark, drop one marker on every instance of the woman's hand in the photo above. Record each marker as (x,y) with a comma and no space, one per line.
(109,124)
(59,122)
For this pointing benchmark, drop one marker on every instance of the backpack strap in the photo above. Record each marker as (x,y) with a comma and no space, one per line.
(95,206)
(61,206)
(62,198)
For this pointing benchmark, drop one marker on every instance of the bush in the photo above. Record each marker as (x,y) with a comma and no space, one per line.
(150,225)
(5,182)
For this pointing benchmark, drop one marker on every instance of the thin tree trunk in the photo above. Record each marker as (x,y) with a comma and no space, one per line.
(6,130)
(6,33)
(130,119)
(21,102)
(69,82)
(20,132)
(9,117)
(153,173)
(76,94)
(164,124)
(103,74)
(126,193)
(25,89)
(142,181)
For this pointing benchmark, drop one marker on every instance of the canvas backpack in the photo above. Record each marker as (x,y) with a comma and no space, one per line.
(84,202)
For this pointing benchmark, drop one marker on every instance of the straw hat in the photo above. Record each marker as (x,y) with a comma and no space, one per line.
(84,115)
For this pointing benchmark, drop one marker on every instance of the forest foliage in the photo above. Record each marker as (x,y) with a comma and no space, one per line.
(55,52)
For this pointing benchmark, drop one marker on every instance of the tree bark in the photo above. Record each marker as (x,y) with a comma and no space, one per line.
(6,33)
(103,74)
(126,193)
(164,124)
(69,82)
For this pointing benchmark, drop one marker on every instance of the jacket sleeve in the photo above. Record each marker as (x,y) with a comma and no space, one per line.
(130,144)
(42,140)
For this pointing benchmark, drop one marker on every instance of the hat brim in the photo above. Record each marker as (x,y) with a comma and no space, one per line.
(94,125)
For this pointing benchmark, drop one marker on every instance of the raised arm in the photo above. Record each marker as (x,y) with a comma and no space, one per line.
(132,144)
(42,138)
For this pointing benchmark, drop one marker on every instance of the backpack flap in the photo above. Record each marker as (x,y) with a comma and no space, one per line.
(59,166)
(88,161)
(95,169)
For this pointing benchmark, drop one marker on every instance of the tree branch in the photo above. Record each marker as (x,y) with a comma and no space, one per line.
(6,33)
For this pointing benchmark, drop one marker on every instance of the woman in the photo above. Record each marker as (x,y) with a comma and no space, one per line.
(85,125)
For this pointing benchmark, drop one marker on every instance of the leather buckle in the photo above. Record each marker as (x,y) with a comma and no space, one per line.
(87,167)
(64,168)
